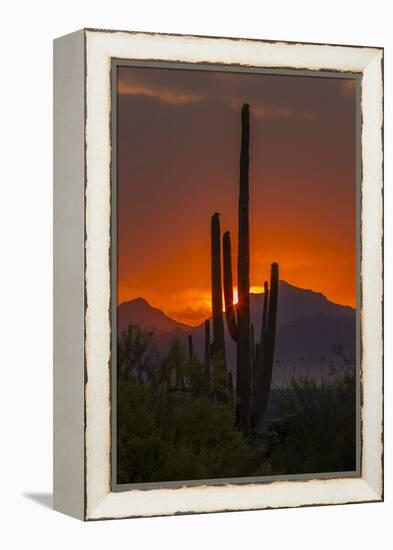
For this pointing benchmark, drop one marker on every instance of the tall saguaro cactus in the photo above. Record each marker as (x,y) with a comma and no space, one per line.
(218,345)
(238,321)
(243,278)
(254,362)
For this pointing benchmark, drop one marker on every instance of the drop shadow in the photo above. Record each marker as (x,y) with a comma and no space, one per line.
(45,499)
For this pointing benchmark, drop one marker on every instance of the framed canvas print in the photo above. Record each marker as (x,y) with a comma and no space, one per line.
(218,341)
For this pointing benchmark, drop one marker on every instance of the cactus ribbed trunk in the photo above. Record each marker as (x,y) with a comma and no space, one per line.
(207,352)
(270,341)
(243,281)
(264,314)
(230,312)
(230,308)
(264,367)
(258,366)
(254,360)
(218,345)
(263,321)
(190,348)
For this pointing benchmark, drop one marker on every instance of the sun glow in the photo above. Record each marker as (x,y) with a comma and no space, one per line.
(257,290)
(253,290)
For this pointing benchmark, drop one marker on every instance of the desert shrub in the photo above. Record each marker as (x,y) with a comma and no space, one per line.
(316,424)
(177,437)
(173,424)
(169,425)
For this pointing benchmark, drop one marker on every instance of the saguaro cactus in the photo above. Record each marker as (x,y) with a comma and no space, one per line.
(239,322)
(243,278)
(218,345)
(262,373)
(254,362)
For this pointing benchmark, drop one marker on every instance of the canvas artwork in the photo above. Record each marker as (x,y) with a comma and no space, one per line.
(235,330)
(218,274)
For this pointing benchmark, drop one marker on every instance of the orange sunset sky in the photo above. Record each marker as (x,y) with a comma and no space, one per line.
(178,163)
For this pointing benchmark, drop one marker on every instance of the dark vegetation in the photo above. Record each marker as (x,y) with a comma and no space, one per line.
(174,422)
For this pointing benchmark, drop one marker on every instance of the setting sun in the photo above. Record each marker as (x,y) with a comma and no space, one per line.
(253,290)
(257,290)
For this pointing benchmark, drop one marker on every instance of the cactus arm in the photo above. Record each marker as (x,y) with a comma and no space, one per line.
(265,364)
(190,348)
(230,313)
(264,318)
(271,329)
(218,344)
(258,371)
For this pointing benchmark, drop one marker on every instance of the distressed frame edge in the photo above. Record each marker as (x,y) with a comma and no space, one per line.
(375,489)
(104,510)
(68,274)
(235,38)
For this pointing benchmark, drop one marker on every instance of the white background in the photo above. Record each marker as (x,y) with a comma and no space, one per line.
(28,28)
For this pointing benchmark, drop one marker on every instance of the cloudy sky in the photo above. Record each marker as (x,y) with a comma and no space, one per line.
(178,163)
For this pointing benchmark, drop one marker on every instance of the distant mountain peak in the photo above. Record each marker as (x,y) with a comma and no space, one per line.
(308,325)
(140,311)
(294,303)
(285,285)
(138,301)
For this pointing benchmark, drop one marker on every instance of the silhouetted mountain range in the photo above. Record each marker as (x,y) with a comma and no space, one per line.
(141,312)
(309,327)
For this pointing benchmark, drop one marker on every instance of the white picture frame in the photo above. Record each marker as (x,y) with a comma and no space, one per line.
(82,272)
